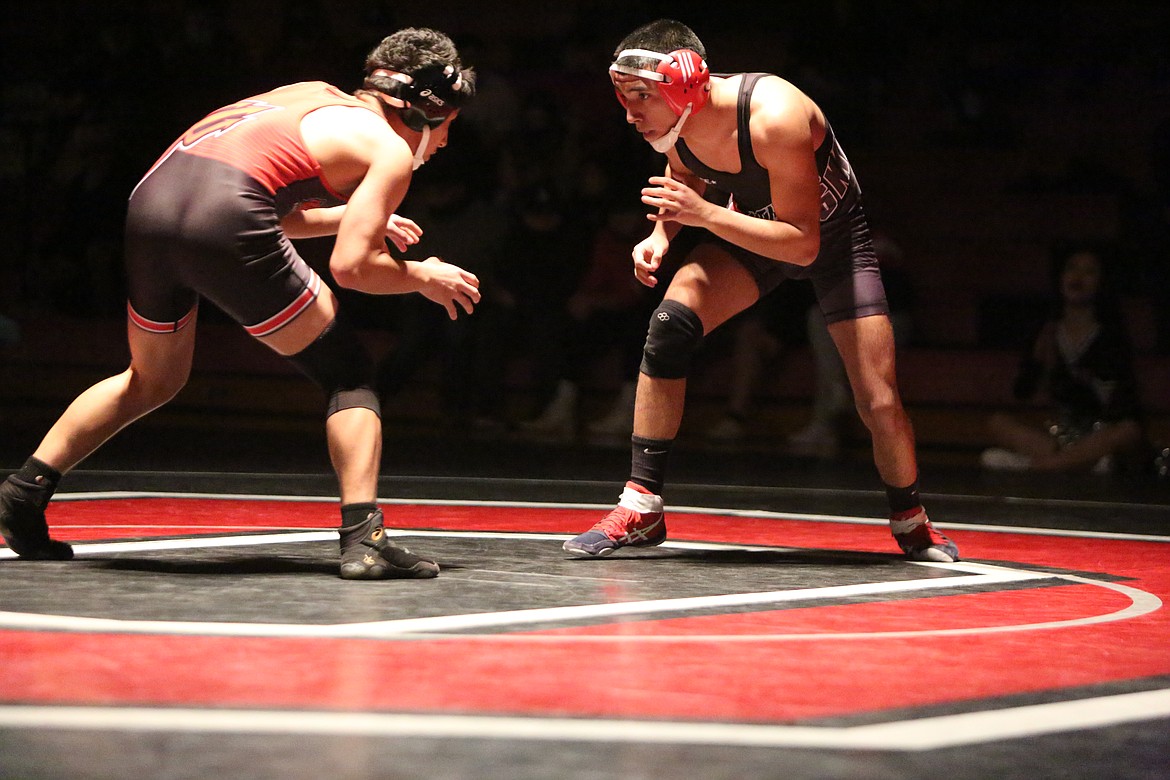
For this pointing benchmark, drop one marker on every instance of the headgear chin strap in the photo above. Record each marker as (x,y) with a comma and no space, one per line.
(682,76)
(666,143)
(426,96)
(419,160)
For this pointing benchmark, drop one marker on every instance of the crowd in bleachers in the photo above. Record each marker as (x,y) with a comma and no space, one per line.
(980,137)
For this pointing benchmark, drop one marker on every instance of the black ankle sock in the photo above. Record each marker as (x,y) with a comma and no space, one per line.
(903,499)
(648,462)
(356,514)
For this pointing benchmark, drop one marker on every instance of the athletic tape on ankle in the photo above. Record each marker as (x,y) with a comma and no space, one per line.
(642,503)
(907,524)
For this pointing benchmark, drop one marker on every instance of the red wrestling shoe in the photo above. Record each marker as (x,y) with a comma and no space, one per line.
(919,539)
(637,521)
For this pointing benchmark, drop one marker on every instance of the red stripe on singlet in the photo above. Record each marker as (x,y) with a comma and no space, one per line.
(153,326)
(288,313)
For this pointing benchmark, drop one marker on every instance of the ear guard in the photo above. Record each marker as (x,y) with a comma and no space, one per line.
(682,76)
(428,95)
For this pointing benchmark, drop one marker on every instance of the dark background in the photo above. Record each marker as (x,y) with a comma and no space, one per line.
(983,135)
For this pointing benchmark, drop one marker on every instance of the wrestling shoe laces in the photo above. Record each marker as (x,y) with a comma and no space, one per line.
(920,540)
(637,521)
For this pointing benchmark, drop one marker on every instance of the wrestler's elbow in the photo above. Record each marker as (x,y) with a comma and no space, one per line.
(807,255)
(347,272)
(803,249)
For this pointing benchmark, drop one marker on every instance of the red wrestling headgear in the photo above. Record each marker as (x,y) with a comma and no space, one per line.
(682,76)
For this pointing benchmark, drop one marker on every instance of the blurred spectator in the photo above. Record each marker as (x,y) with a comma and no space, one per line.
(1081,365)
(608,311)
(777,323)
(495,113)
(86,188)
(542,261)
(789,317)
(462,225)
(538,156)
(260,38)
(1156,258)
(9,331)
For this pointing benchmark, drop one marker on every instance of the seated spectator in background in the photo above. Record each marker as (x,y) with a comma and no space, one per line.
(543,258)
(608,311)
(9,331)
(780,321)
(466,227)
(789,316)
(1081,364)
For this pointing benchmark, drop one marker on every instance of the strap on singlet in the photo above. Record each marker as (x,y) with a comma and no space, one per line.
(744,114)
(744,107)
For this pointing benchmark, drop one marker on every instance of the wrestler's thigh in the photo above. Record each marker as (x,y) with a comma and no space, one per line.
(304,329)
(714,285)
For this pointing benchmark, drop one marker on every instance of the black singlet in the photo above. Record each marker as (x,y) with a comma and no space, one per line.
(845,272)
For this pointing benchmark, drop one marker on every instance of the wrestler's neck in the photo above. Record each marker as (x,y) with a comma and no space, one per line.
(393,118)
(717,121)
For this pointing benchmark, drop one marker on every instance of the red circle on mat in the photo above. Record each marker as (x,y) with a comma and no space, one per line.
(712,667)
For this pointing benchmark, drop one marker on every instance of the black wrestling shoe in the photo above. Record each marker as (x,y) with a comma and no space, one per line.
(23,525)
(368,554)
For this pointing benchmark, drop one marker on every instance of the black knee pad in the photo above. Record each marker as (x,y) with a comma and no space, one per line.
(673,337)
(338,362)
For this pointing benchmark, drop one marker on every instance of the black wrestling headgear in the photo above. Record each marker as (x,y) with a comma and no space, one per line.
(432,93)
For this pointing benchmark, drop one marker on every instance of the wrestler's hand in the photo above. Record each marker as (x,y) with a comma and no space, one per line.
(449,285)
(402,232)
(648,256)
(676,202)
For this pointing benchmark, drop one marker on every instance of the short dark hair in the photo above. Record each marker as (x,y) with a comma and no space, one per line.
(408,51)
(662,36)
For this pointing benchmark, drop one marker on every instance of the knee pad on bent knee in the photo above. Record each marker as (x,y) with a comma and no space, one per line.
(671,341)
(338,362)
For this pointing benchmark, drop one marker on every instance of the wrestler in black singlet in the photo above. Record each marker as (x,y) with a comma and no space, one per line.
(845,273)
